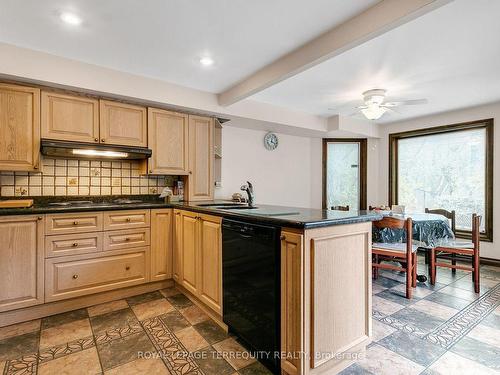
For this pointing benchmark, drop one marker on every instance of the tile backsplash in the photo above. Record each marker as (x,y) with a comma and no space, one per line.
(82,177)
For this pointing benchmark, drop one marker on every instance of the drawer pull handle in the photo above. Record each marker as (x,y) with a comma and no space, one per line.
(39,218)
(282,237)
(75,222)
(127,268)
(128,219)
(75,244)
(75,277)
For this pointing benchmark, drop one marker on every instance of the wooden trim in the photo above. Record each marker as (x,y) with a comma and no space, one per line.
(487,124)
(362,167)
(40,311)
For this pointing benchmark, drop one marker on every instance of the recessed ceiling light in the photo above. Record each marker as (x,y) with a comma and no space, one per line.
(71,18)
(206,61)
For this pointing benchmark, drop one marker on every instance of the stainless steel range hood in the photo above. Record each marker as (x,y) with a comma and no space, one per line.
(82,150)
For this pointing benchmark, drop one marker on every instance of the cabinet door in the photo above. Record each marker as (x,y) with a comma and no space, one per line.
(201,158)
(19,128)
(123,124)
(21,265)
(177,247)
(189,251)
(161,244)
(70,118)
(210,262)
(168,140)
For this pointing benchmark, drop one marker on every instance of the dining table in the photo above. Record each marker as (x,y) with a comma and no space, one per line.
(429,230)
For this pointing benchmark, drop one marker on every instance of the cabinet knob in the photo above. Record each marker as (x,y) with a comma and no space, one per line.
(178,213)
(150,171)
(127,268)
(75,222)
(282,237)
(75,277)
(103,140)
(39,217)
(35,167)
(75,244)
(96,139)
(127,239)
(128,219)
(190,172)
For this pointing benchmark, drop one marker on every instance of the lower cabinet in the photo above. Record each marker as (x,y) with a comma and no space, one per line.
(198,256)
(161,244)
(21,265)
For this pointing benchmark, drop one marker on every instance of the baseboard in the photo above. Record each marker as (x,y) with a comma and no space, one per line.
(51,308)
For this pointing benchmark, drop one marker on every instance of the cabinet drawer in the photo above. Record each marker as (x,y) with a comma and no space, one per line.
(126,219)
(73,223)
(126,239)
(74,276)
(73,244)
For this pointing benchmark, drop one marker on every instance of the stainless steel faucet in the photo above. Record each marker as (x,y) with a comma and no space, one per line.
(249,189)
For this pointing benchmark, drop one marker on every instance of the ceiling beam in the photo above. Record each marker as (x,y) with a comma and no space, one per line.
(377,20)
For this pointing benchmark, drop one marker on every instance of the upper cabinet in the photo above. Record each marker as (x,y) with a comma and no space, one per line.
(168,140)
(70,118)
(19,128)
(123,124)
(201,159)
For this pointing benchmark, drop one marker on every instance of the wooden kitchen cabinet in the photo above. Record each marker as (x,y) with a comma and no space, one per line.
(161,244)
(168,141)
(70,117)
(200,184)
(19,128)
(123,124)
(190,243)
(21,265)
(210,262)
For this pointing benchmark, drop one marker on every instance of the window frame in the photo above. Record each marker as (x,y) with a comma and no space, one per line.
(486,124)
(362,167)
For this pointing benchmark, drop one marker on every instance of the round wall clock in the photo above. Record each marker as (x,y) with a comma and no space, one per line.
(271,141)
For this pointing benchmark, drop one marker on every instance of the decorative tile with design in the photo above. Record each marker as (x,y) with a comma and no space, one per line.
(18,346)
(58,351)
(83,362)
(24,365)
(478,351)
(64,333)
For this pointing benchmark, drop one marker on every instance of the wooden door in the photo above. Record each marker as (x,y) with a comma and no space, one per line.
(168,140)
(70,117)
(19,128)
(177,247)
(190,238)
(161,244)
(123,124)
(210,262)
(21,265)
(201,159)
(292,286)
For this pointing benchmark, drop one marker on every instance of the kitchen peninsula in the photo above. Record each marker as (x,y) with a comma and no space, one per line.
(97,251)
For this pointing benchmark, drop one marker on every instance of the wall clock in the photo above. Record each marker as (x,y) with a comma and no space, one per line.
(270,141)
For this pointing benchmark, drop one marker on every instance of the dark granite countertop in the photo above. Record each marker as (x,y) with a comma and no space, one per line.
(273,215)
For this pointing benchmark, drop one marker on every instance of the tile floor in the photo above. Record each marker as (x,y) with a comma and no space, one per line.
(446,329)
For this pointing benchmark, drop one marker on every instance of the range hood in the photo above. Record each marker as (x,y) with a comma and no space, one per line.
(82,150)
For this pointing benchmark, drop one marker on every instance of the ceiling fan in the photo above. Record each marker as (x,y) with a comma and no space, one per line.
(375,106)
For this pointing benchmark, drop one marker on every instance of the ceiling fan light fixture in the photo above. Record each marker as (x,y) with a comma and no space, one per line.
(373,112)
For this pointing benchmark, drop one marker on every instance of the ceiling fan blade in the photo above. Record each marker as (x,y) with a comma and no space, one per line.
(406,102)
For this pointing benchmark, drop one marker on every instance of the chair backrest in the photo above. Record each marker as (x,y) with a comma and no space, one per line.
(450,215)
(340,208)
(392,222)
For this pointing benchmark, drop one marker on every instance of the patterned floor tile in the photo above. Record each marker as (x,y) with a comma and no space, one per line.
(234,353)
(255,368)
(412,347)
(180,301)
(492,320)
(139,367)
(435,309)
(64,333)
(174,320)
(355,369)
(169,292)
(19,329)
(17,346)
(191,339)
(211,331)
(376,288)
(381,330)
(211,362)
(460,293)
(113,320)
(194,314)
(478,351)
(448,300)
(120,351)
(418,292)
(385,306)
(152,308)
(135,300)
(24,365)
(486,334)
(83,362)
(49,354)
(382,361)
(397,296)
(419,319)
(384,281)
(107,307)
(67,317)
(451,363)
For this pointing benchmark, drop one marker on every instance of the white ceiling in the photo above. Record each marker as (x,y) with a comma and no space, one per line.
(165,39)
(450,56)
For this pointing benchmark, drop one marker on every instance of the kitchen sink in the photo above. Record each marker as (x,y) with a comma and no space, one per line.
(222,205)
(236,207)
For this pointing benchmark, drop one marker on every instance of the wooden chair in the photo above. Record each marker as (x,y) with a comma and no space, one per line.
(340,208)
(450,215)
(460,247)
(405,253)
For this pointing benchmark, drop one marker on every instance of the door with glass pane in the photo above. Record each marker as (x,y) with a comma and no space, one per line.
(344,173)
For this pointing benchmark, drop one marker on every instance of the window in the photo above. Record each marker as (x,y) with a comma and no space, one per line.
(448,167)
(344,173)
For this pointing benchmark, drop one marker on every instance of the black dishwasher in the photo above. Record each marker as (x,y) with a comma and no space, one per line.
(251,287)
